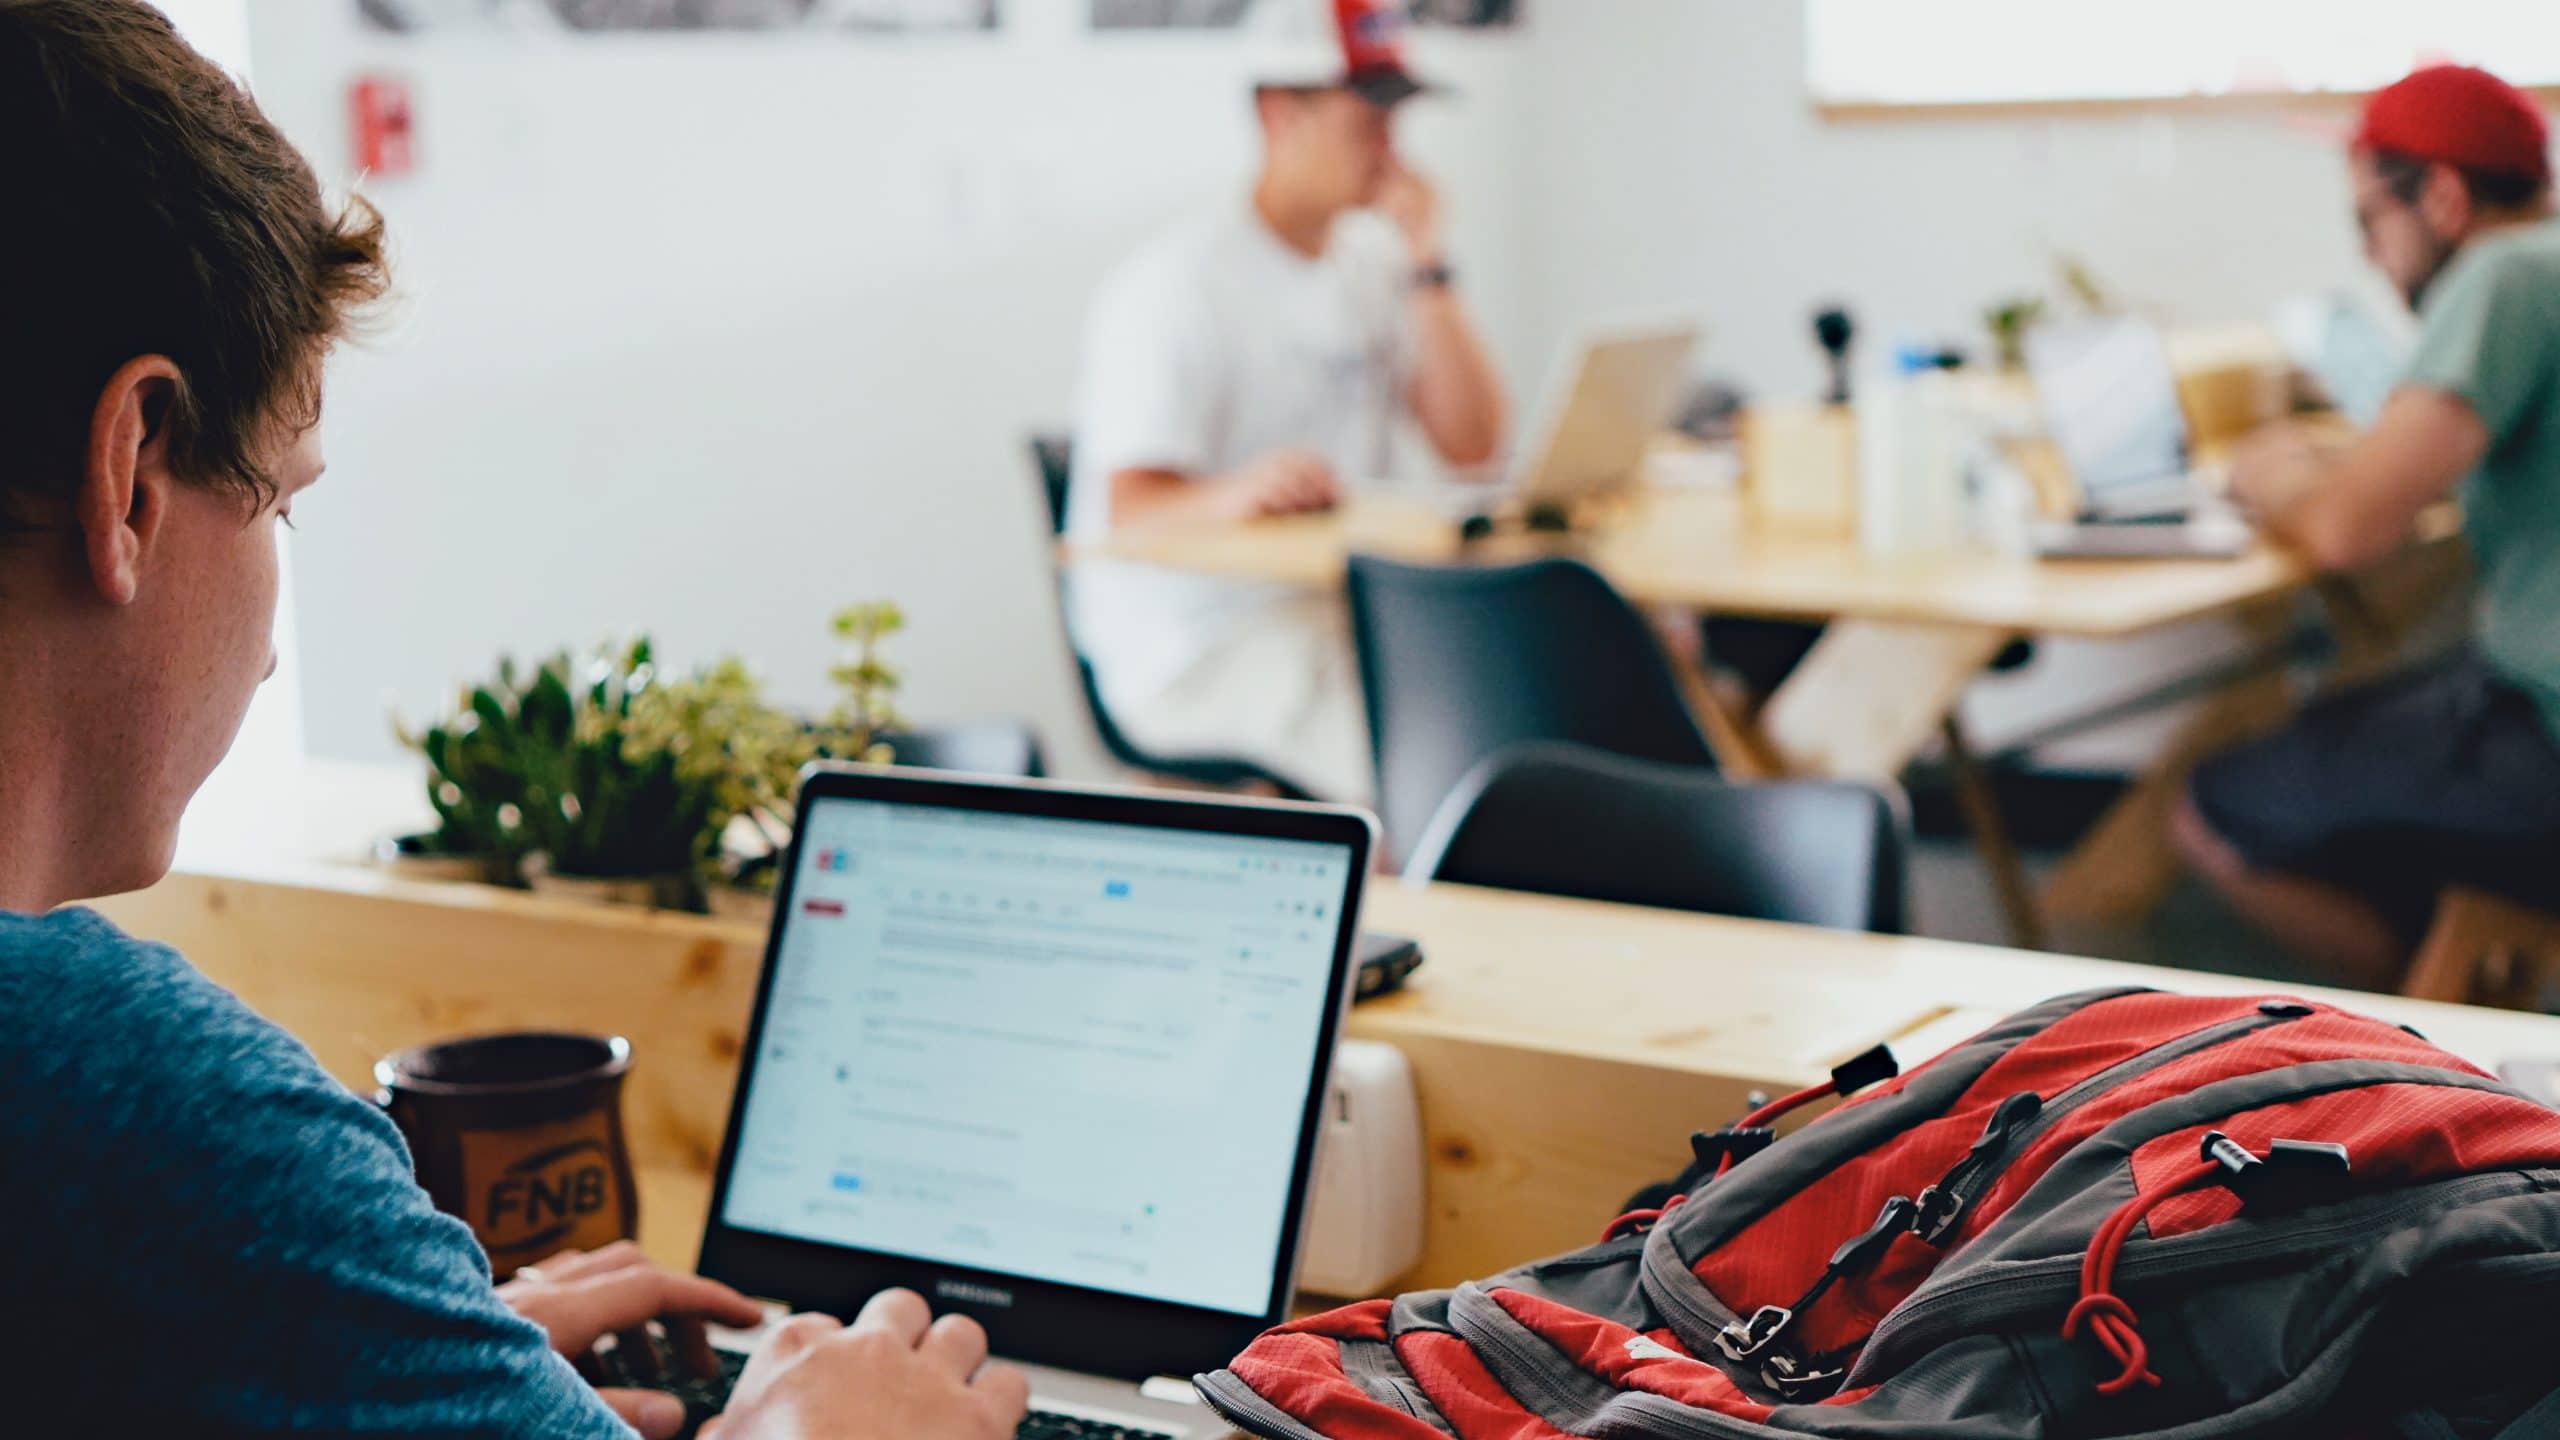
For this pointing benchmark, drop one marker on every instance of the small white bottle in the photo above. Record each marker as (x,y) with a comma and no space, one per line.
(1912,451)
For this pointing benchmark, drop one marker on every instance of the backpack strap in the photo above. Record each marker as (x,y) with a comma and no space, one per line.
(2542,1422)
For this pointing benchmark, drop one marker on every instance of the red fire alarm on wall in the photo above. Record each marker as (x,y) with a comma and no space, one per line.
(378,115)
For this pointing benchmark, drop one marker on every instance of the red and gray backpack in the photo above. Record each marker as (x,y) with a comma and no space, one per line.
(2121,1213)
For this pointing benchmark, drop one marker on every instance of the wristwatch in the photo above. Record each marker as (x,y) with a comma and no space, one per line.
(1434,276)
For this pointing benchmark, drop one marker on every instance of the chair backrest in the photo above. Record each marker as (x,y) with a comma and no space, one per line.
(1458,663)
(1563,820)
(1054,456)
(1007,749)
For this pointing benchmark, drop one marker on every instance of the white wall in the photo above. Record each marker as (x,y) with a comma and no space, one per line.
(1678,163)
(709,335)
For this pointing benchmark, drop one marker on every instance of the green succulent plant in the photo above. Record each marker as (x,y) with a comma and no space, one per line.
(865,710)
(615,769)
(472,782)
(868,685)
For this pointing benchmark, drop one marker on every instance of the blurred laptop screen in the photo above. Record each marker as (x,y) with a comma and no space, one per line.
(2111,403)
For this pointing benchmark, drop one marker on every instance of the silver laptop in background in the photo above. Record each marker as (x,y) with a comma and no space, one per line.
(2110,402)
(1054,1058)
(1601,416)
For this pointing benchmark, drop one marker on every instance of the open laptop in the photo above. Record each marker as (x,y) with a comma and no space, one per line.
(1053,1058)
(2111,403)
(1601,416)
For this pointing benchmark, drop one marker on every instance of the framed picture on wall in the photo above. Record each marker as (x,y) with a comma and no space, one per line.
(1247,14)
(885,16)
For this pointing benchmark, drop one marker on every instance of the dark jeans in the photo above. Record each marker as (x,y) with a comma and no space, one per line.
(2440,776)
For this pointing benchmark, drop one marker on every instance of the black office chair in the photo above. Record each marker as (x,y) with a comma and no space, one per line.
(1566,820)
(1054,458)
(1007,749)
(1460,663)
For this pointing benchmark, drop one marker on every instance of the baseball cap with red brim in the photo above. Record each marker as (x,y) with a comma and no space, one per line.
(1354,45)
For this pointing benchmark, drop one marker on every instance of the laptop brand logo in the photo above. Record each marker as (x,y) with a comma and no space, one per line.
(969,1294)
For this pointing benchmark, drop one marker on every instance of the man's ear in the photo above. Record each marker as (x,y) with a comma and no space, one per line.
(2444,202)
(125,481)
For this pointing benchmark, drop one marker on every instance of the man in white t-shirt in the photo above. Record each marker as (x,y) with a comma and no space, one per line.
(1254,363)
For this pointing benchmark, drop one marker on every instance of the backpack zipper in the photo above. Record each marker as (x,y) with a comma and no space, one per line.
(2037,1287)
(2015,1124)
(2025,1291)
(2025,1117)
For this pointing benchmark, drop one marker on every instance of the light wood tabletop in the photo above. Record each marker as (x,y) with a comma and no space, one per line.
(1562,1050)
(1692,549)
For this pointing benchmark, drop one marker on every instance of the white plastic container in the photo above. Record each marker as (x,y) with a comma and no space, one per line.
(1913,444)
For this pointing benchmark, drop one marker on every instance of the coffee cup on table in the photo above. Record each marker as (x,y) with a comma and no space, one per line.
(520,1136)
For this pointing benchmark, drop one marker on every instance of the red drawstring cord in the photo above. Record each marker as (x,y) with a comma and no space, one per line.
(1776,1110)
(1760,1119)
(1635,1220)
(2105,1313)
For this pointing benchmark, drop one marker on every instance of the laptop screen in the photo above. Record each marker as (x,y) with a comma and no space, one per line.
(1055,1049)
(2111,401)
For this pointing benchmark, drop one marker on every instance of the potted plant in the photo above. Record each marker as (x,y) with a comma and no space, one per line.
(2009,321)
(480,834)
(770,757)
(616,795)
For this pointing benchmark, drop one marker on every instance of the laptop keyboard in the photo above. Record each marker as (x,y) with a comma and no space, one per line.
(706,1397)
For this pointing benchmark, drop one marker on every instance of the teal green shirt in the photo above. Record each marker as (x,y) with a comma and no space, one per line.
(2490,334)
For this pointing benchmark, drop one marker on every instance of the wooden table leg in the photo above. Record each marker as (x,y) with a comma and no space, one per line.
(2374,613)
(1981,805)
(1741,748)
(1869,697)
(2125,866)
(1872,694)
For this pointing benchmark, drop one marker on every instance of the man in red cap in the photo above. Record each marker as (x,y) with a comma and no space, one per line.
(1256,362)
(2339,833)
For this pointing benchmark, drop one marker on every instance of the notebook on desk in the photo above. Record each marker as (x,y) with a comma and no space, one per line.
(1053,1058)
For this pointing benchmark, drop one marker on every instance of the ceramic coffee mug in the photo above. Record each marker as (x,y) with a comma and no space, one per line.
(519,1135)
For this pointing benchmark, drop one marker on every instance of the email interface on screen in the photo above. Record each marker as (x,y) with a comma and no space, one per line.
(1046,1048)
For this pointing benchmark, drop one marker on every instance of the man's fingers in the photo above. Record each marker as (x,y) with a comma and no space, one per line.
(639,1350)
(797,1334)
(902,1313)
(621,1299)
(955,1344)
(692,1346)
(656,1415)
(1004,1390)
(694,1297)
(571,1265)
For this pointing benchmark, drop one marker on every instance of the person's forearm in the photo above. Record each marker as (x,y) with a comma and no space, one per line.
(1144,500)
(1457,393)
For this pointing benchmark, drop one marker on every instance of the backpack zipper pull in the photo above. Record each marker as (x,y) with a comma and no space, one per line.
(1864,1250)
(1942,1205)
(1748,1338)
(2289,1174)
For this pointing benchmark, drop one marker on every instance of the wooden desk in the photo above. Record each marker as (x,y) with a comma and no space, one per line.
(1692,550)
(1563,1050)
(1907,636)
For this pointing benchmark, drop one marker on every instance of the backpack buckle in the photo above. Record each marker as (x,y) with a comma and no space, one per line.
(1729,1146)
(1795,1383)
(1745,1339)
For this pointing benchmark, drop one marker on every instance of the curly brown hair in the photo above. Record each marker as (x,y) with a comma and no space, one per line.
(154,210)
